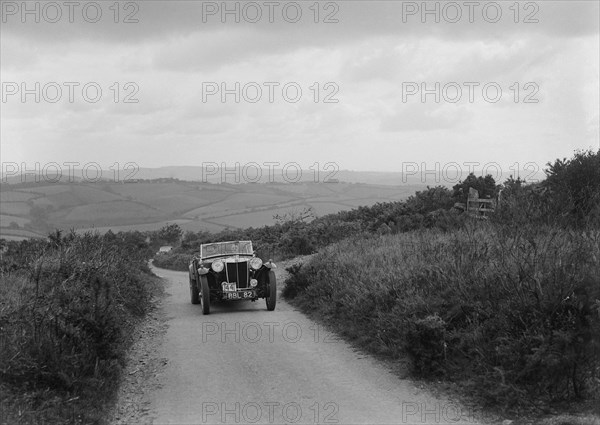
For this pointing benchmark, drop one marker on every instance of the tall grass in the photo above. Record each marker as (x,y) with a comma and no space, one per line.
(512,313)
(66,307)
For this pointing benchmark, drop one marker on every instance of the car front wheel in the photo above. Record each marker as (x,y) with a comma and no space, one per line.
(204,295)
(271,298)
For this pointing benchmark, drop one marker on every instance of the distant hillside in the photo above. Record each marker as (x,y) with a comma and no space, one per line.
(416,174)
(210,175)
(33,209)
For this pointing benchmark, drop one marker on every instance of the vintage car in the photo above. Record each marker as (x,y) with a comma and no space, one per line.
(230,271)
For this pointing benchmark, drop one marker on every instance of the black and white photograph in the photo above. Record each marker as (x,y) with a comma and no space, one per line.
(301,212)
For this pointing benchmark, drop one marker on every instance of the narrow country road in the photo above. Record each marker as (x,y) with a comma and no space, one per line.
(244,364)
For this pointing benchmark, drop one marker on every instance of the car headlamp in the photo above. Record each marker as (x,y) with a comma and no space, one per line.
(256,263)
(217,266)
(253,283)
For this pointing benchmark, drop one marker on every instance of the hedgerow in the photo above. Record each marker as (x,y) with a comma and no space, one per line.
(513,315)
(508,307)
(67,306)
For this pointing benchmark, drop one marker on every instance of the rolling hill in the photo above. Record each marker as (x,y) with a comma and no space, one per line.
(33,209)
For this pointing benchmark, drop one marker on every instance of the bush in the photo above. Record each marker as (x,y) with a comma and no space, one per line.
(485,186)
(426,343)
(573,187)
(172,261)
(569,197)
(66,308)
(511,312)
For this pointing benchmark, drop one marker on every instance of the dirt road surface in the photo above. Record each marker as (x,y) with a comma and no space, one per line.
(244,364)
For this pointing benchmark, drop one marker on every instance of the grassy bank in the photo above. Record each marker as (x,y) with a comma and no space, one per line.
(510,313)
(66,308)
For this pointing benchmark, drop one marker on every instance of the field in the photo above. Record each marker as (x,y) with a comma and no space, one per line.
(18,234)
(32,209)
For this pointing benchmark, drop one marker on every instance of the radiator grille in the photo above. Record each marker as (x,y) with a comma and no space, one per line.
(238,272)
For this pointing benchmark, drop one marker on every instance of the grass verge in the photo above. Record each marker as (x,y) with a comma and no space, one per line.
(67,307)
(511,314)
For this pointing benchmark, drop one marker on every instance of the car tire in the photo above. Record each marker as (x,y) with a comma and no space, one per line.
(194,293)
(271,298)
(204,295)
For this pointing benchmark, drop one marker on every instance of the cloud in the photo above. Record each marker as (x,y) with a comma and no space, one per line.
(368,55)
(423,117)
(157,20)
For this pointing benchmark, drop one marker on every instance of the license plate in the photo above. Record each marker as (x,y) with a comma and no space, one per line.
(229,287)
(240,295)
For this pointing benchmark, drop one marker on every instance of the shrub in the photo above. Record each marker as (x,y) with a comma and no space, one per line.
(173,261)
(426,343)
(66,308)
(569,197)
(574,186)
(432,199)
(486,186)
(511,311)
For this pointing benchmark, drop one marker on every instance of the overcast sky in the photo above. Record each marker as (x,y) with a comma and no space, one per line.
(369,60)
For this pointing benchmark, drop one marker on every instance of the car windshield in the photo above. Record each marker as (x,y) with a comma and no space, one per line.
(226,248)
